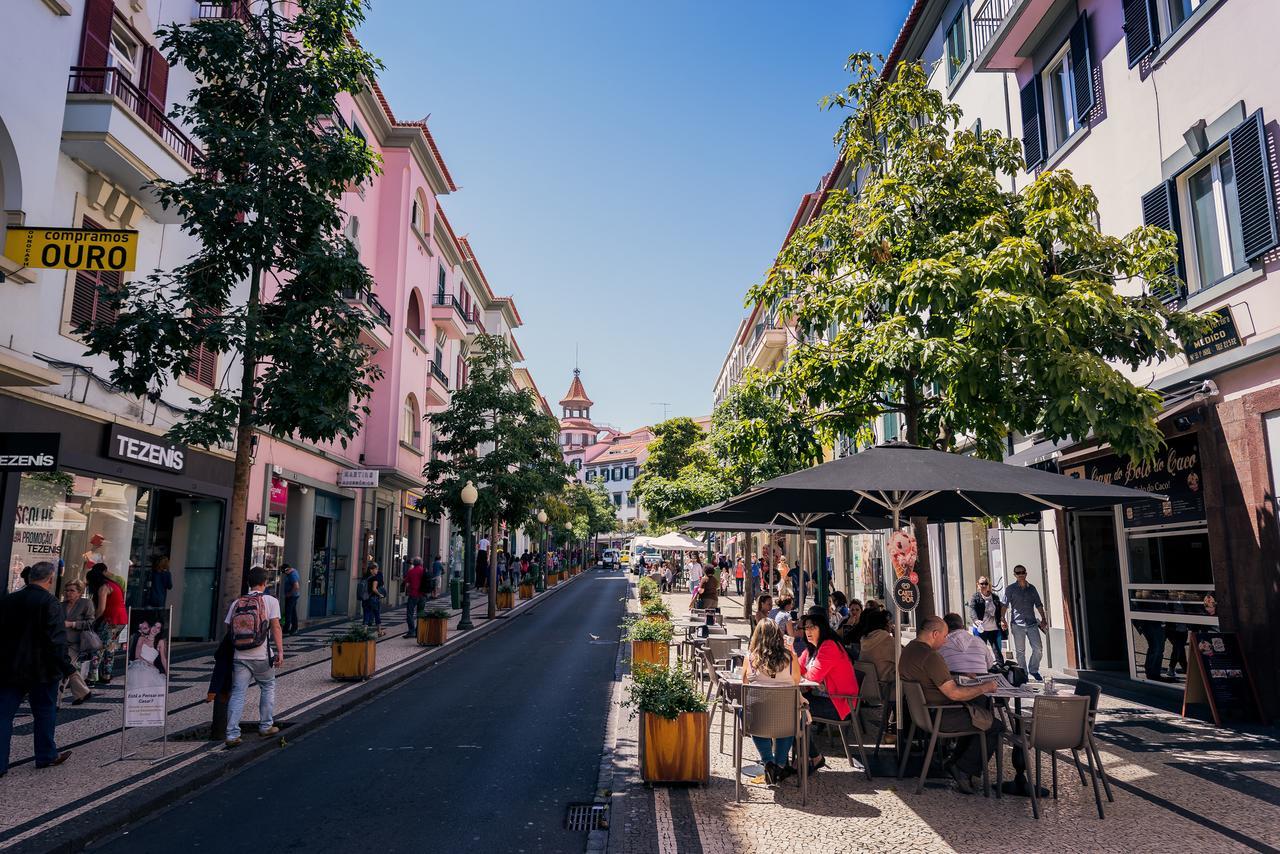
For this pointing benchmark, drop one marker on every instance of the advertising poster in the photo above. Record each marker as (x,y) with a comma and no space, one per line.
(146,685)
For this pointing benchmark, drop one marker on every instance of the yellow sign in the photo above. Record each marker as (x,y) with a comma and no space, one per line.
(93,249)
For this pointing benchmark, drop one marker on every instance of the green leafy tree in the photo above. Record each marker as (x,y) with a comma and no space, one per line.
(496,436)
(755,438)
(264,206)
(680,474)
(970,310)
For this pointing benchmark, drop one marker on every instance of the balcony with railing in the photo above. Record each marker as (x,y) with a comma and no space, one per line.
(475,325)
(232,10)
(110,124)
(378,335)
(448,314)
(1003,28)
(437,386)
(767,341)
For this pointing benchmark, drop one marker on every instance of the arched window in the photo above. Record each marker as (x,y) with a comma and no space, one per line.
(413,321)
(415,215)
(410,423)
(352,230)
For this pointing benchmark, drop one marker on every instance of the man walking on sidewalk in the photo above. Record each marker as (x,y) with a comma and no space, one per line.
(254,624)
(33,663)
(292,592)
(1023,600)
(413,590)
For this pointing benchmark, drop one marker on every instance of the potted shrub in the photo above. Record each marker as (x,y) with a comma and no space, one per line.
(353,654)
(656,609)
(648,589)
(675,728)
(433,626)
(506,596)
(526,588)
(650,642)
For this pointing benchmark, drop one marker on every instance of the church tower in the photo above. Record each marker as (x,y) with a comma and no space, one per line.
(576,429)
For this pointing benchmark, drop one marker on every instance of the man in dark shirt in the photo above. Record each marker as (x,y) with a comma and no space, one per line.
(33,662)
(921,662)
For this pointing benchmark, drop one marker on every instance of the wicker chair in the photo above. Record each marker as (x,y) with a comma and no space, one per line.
(928,718)
(840,724)
(1057,723)
(871,697)
(769,712)
(1093,691)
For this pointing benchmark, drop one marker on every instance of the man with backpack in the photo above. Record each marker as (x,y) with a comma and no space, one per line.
(254,625)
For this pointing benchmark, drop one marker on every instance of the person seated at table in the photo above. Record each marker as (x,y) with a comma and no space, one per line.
(789,627)
(824,661)
(839,607)
(921,662)
(963,651)
(876,645)
(764,610)
(771,662)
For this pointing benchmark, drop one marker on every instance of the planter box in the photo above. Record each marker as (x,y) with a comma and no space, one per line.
(353,661)
(650,652)
(552,579)
(506,599)
(676,751)
(526,591)
(432,631)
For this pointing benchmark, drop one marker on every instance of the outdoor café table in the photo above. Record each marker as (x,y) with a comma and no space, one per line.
(1018,786)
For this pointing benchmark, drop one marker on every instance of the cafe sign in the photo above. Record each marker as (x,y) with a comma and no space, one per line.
(1175,473)
(93,249)
(145,449)
(1222,337)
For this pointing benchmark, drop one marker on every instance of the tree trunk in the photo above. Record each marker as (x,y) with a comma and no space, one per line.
(919,524)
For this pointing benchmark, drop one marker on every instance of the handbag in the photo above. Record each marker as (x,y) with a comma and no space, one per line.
(89,641)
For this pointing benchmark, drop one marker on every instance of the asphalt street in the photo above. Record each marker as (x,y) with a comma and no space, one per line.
(481,752)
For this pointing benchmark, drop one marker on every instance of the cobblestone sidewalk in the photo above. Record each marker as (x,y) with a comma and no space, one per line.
(1179,785)
(33,801)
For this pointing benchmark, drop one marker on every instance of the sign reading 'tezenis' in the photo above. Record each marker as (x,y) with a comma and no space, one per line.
(145,449)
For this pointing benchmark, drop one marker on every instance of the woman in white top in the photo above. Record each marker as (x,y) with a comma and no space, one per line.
(770,662)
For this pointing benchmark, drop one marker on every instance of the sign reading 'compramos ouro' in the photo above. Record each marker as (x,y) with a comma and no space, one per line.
(92,249)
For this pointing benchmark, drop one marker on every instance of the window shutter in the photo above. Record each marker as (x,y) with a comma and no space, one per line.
(204,363)
(1032,124)
(157,78)
(1140,33)
(1160,208)
(88,307)
(1253,186)
(1082,68)
(96,37)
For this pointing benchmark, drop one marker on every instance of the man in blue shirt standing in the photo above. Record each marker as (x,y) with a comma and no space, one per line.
(1023,601)
(755,576)
(292,590)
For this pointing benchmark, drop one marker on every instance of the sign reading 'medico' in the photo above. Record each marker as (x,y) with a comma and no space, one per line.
(145,449)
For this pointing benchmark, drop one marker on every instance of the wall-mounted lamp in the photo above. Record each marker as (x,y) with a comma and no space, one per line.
(1197,137)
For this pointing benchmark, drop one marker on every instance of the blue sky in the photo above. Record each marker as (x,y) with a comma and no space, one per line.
(627,169)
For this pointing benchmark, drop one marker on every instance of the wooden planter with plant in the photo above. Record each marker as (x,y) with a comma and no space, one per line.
(648,589)
(650,642)
(506,596)
(656,609)
(353,654)
(433,627)
(675,728)
(526,590)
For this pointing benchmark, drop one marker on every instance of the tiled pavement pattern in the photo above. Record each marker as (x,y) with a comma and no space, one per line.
(1179,785)
(32,800)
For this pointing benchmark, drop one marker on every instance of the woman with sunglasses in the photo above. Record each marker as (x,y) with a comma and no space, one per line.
(825,661)
(987,615)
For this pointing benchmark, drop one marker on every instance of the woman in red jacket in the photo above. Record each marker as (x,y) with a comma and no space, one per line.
(108,599)
(824,660)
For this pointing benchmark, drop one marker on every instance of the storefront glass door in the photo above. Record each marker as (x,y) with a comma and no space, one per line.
(1098,587)
(321,591)
(200,573)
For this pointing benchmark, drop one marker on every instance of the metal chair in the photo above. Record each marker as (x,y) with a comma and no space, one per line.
(928,718)
(870,691)
(769,711)
(1093,691)
(1057,723)
(855,708)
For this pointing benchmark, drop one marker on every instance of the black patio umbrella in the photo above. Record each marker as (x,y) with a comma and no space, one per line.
(902,479)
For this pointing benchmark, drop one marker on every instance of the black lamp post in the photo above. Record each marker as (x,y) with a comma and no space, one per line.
(469,496)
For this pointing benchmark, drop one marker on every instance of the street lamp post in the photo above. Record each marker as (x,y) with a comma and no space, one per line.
(542,570)
(469,496)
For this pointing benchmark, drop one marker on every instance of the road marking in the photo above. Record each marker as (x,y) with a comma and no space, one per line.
(666,827)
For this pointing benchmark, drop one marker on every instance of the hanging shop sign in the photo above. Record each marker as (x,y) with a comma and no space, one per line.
(92,249)
(906,594)
(279,492)
(1175,474)
(1222,337)
(358,478)
(29,451)
(145,449)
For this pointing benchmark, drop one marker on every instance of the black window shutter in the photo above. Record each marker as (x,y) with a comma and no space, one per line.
(1032,124)
(1082,69)
(1160,208)
(1141,35)
(1253,186)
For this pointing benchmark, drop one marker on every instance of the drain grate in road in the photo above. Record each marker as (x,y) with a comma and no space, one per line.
(586,817)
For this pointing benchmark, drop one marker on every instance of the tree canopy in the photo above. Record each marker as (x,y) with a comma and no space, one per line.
(755,438)
(973,311)
(680,474)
